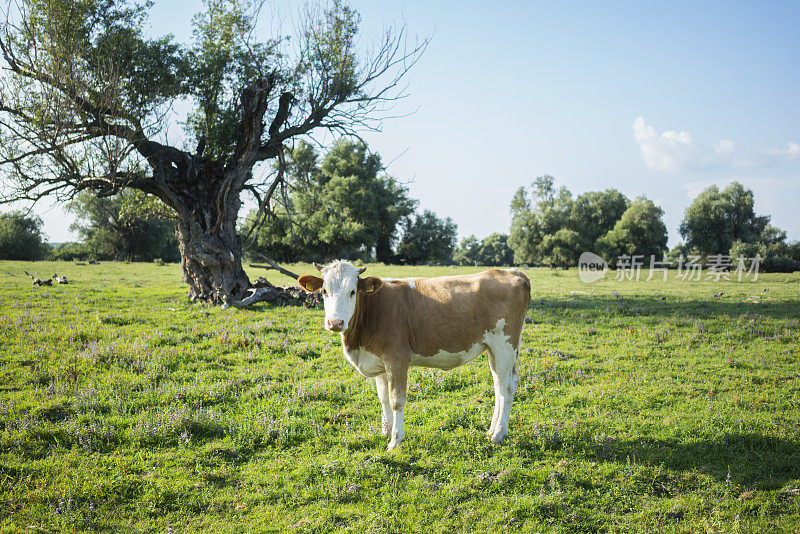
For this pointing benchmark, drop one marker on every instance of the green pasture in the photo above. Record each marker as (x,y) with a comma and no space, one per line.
(642,406)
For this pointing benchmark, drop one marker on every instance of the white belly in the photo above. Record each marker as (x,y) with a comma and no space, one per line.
(366,363)
(371,365)
(448,360)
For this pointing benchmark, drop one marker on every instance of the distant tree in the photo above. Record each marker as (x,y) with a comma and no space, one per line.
(715,219)
(747,250)
(340,207)
(640,231)
(771,235)
(127,226)
(537,212)
(525,234)
(562,248)
(71,251)
(427,239)
(775,255)
(791,251)
(494,251)
(594,213)
(725,222)
(468,251)
(21,237)
(677,252)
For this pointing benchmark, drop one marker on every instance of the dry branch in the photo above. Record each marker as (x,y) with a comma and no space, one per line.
(40,281)
(273,265)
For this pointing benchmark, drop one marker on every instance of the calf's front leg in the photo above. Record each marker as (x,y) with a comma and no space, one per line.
(397,378)
(382,385)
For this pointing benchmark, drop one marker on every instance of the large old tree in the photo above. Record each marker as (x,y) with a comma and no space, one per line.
(86,100)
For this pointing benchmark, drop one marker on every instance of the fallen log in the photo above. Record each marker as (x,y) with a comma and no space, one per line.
(40,281)
(262,290)
(271,293)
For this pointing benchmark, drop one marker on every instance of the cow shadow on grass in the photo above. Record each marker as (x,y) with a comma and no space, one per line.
(668,305)
(749,459)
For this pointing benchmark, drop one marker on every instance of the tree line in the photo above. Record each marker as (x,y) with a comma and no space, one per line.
(84,102)
(343,205)
(550,227)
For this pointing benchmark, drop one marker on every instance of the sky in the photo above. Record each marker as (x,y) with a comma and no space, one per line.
(656,99)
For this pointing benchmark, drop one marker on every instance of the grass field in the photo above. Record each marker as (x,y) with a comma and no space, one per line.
(642,406)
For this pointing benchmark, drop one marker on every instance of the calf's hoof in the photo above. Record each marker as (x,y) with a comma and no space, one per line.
(394,444)
(498,438)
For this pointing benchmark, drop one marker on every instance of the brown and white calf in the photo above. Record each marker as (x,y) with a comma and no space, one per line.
(390,325)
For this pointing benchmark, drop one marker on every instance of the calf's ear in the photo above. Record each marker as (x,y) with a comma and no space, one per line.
(369,284)
(310,282)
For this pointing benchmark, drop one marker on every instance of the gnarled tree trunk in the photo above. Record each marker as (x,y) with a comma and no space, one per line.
(211,262)
(211,250)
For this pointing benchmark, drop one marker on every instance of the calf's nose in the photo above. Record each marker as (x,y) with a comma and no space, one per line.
(335,324)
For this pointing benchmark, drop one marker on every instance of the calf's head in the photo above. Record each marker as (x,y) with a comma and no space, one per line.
(341,288)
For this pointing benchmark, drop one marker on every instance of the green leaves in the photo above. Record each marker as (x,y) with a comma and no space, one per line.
(715,219)
(549,226)
(427,239)
(339,206)
(21,237)
(130,225)
(493,250)
(640,230)
(222,61)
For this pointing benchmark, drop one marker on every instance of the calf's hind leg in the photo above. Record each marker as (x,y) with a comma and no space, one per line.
(503,363)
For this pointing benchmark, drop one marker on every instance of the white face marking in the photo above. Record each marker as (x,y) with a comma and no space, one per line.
(339,287)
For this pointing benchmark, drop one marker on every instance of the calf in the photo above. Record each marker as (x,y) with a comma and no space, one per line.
(389,325)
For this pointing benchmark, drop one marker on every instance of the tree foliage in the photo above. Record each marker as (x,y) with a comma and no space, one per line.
(536,212)
(492,250)
(549,226)
(427,239)
(715,219)
(594,213)
(21,237)
(725,222)
(562,248)
(640,231)
(468,251)
(128,226)
(343,206)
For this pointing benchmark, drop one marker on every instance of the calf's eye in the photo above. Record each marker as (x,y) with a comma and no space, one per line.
(353,293)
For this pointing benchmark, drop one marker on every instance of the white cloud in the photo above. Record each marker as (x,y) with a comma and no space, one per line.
(765,184)
(667,152)
(673,151)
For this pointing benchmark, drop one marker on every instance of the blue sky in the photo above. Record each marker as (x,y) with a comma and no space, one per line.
(656,99)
